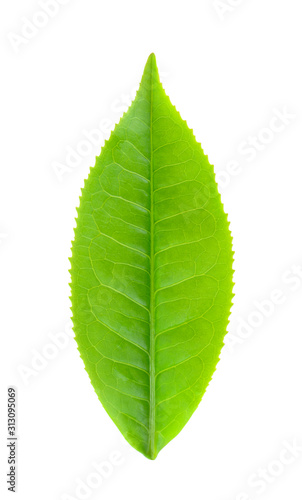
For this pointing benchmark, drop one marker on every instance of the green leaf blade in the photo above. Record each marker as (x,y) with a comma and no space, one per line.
(151,271)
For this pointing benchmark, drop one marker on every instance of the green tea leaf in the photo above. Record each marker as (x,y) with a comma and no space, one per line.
(151,271)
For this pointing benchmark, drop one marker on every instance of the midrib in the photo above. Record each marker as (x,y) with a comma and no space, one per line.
(152,329)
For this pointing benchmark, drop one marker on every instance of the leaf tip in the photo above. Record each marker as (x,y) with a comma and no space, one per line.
(151,59)
(151,71)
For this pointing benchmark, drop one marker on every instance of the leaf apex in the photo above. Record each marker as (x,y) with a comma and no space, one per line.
(150,72)
(151,58)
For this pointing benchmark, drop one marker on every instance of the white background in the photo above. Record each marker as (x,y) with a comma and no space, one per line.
(228,74)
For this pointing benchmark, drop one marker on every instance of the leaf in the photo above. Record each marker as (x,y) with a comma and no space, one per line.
(151,271)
